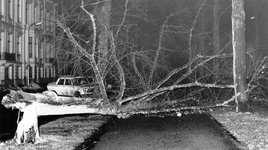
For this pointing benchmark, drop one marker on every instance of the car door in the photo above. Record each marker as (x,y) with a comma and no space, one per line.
(59,87)
(69,88)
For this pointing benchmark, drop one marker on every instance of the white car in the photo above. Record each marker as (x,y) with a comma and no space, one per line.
(72,86)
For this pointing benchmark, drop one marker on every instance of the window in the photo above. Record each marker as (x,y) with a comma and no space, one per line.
(18,11)
(30,47)
(30,72)
(27,13)
(8,44)
(68,82)
(80,81)
(42,72)
(2,74)
(35,47)
(18,44)
(36,13)
(17,48)
(10,72)
(61,82)
(17,72)
(10,9)
(1,9)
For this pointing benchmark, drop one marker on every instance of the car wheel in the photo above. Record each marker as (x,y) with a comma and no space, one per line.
(77,94)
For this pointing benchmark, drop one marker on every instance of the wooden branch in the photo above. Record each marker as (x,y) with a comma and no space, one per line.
(115,59)
(87,54)
(207,58)
(191,32)
(94,64)
(123,20)
(178,110)
(93,26)
(67,105)
(156,57)
(202,63)
(173,72)
(120,70)
(169,88)
(258,70)
(142,81)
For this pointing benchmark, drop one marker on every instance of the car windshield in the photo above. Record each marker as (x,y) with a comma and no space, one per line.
(80,81)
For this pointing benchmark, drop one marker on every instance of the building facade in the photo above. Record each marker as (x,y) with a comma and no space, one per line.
(27,44)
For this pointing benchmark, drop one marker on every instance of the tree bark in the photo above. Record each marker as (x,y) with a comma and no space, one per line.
(103,13)
(27,130)
(239,58)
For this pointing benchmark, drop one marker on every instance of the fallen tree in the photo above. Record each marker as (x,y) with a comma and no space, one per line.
(123,105)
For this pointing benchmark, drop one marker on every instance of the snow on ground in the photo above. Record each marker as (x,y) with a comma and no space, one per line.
(249,128)
(65,133)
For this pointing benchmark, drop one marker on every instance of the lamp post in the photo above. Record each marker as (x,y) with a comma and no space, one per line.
(28,58)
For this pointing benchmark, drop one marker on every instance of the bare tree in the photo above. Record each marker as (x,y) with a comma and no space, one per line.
(106,44)
(239,58)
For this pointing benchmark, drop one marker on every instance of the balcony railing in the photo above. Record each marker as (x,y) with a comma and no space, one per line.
(9,56)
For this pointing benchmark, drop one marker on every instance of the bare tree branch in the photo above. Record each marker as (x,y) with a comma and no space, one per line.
(86,54)
(172,87)
(191,32)
(150,80)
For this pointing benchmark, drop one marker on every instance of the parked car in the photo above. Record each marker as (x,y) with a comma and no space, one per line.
(72,86)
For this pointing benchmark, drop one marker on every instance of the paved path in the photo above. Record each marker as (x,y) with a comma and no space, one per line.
(189,132)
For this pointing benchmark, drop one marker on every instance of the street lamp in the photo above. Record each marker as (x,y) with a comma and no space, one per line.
(28,61)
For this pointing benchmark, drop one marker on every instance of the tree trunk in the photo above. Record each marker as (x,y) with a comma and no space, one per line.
(239,55)
(216,35)
(103,13)
(27,130)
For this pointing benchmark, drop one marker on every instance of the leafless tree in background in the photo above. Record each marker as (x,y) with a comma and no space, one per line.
(109,49)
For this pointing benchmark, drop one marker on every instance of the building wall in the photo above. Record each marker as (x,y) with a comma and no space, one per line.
(27,51)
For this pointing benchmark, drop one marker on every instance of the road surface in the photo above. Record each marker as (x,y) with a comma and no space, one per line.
(166,132)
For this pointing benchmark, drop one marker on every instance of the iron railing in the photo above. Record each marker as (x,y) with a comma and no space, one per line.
(10,57)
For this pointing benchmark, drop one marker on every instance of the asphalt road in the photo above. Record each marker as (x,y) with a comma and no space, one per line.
(166,132)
